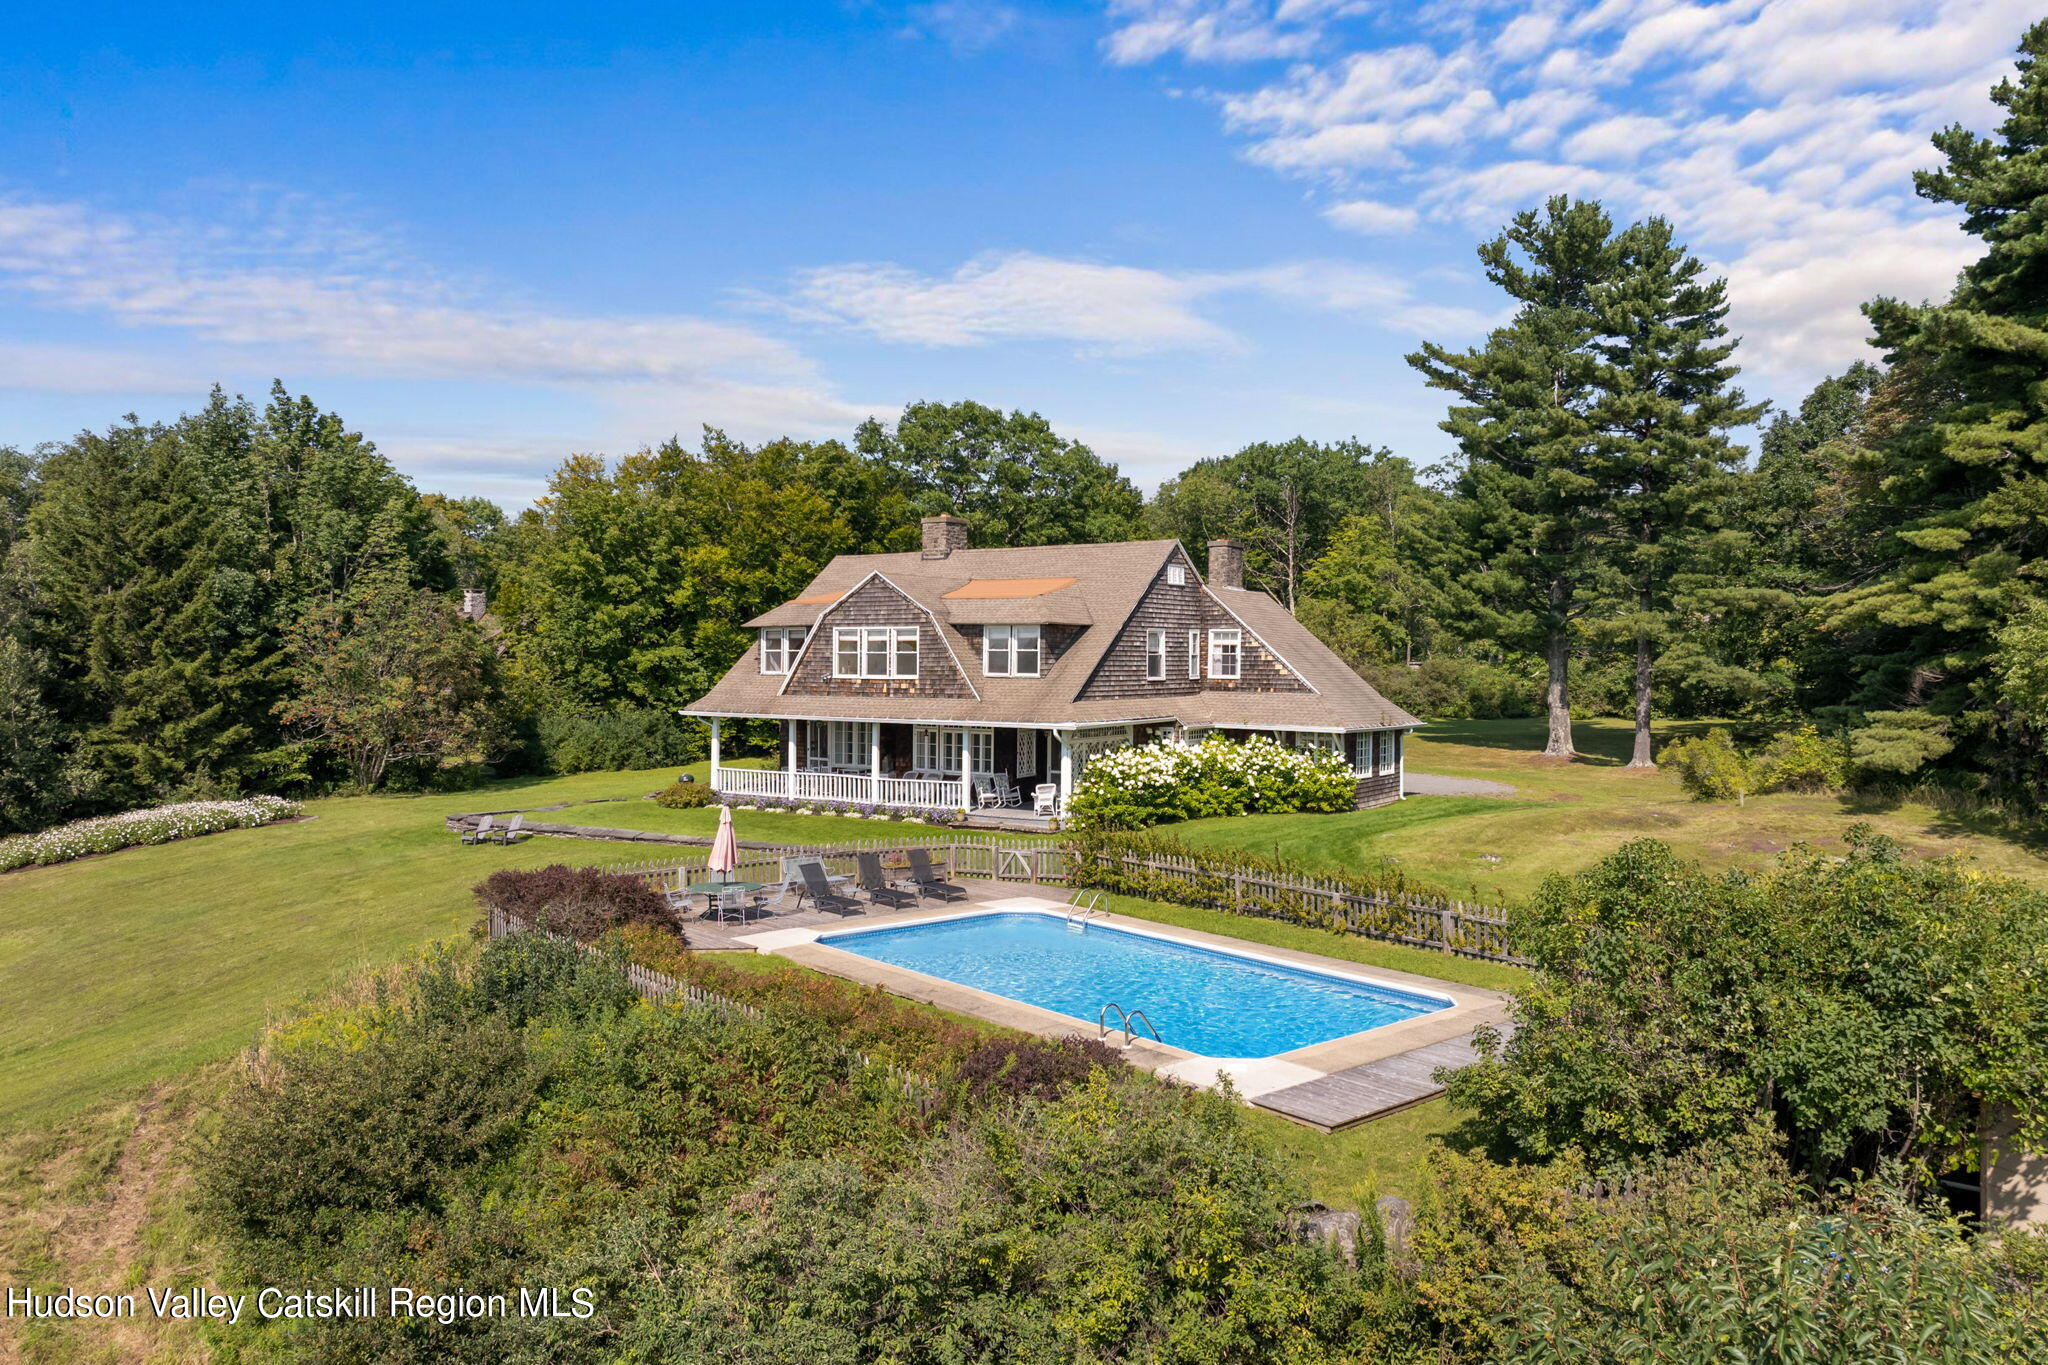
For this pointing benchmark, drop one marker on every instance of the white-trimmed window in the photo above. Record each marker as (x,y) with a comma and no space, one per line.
(1194,655)
(779,646)
(1225,648)
(937,749)
(1010,651)
(1177,575)
(874,652)
(841,743)
(1390,751)
(1155,655)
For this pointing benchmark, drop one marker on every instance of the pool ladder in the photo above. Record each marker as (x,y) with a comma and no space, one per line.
(1084,906)
(1129,1020)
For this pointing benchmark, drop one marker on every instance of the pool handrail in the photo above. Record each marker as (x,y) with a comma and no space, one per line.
(1130,1034)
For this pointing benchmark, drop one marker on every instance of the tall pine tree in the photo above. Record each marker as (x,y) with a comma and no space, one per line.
(1533,491)
(1664,415)
(1963,484)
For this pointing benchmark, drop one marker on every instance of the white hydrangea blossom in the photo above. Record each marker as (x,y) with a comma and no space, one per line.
(1169,779)
(131,829)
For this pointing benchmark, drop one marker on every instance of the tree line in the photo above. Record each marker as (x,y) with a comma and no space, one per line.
(254,598)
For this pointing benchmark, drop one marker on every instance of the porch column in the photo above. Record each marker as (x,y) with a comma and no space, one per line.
(966,771)
(1401,760)
(789,758)
(875,759)
(1066,769)
(714,753)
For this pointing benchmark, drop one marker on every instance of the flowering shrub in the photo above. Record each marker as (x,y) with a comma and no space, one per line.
(866,810)
(582,902)
(1172,780)
(134,828)
(685,796)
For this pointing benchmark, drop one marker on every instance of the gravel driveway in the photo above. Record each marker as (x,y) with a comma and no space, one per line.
(1428,784)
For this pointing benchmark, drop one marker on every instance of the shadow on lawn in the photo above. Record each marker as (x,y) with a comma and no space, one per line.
(1601,744)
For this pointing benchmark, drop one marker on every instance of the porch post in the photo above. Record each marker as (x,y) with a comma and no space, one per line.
(789,759)
(1401,760)
(714,753)
(1066,769)
(966,770)
(875,760)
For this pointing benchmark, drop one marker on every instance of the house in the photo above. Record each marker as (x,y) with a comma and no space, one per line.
(900,679)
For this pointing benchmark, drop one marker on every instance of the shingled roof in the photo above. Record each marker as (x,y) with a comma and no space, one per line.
(1096,586)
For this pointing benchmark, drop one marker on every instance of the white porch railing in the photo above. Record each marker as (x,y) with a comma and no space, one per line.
(922,793)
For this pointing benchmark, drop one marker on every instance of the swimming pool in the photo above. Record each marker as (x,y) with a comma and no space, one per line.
(1204,1000)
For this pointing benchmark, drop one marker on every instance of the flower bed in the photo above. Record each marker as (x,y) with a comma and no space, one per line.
(134,828)
(1172,780)
(858,810)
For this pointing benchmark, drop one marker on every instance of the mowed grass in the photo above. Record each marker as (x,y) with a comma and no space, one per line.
(1568,814)
(134,967)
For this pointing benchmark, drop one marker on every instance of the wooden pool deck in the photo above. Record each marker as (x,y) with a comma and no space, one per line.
(1359,1094)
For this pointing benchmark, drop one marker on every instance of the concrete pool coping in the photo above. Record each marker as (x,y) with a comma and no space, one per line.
(1470,1007)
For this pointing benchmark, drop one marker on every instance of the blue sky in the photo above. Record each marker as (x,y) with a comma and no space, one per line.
(491,236)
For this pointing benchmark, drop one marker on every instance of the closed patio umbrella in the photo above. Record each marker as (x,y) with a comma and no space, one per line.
(725,846)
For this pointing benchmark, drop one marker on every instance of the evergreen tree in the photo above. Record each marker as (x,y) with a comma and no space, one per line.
(1664,415)
(1534,496)
(1962,486)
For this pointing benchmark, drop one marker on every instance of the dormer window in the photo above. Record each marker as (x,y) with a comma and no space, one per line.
(1010,651)
(874,652)
(1225,649)
(1177,575)
(779,647)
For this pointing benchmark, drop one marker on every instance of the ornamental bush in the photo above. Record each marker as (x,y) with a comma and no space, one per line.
(685,796)
(582,902)
(1172,780)
(135,828)
(1710,767)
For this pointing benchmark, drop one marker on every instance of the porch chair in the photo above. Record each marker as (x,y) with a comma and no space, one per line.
(928,880)
(479,833)
(820,890)
(876,884)
(817,765)
(995,789)
(510,834)
(1045,798)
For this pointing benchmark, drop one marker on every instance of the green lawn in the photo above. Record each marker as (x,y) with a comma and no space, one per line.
(1567,814)
(130,968)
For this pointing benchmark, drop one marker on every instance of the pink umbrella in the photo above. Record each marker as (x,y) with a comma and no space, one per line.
(725,846)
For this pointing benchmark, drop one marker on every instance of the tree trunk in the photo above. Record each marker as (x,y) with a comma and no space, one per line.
(1641,757)
(1557,697)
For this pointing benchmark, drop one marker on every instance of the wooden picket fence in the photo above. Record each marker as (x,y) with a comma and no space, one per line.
(1417,919)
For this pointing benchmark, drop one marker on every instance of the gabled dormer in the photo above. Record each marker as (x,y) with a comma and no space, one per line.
(876,640)
(1182,638)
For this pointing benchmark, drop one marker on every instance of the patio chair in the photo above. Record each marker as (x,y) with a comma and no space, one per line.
(479,833)
(510,834)
(821,893)
(731,904)
(877,885)
(995,790)
(928,880)
(1045,798)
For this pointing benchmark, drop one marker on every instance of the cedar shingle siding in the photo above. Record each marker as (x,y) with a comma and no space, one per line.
(1178,609)
(876,603)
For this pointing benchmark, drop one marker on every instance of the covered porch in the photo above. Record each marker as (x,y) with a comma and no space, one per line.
(1010,774)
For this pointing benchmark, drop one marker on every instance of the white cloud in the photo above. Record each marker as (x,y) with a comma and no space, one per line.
(1371,216)
(312,302)
(1096,307)
(1220,30)
(59,368)
(1778,136)
(963,26)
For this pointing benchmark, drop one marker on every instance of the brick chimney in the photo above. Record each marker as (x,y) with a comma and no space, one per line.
(943,534)
(1226,564)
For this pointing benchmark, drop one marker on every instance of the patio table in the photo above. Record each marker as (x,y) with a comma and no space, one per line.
(711,891)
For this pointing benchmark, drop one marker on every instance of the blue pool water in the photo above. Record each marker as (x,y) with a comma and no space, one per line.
(1213,1003)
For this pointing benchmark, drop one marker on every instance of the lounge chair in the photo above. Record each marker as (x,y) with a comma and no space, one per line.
(793,878)
(510,834)
(929,882)
(821,893)
(479,833)
(876,884)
